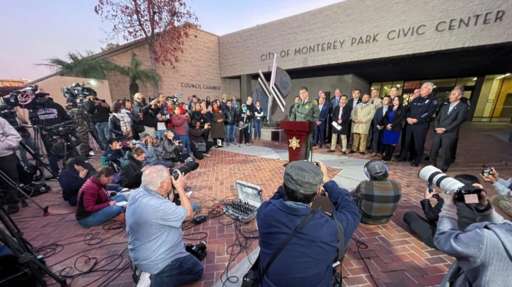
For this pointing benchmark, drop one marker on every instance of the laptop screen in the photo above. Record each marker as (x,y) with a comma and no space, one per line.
(249,193)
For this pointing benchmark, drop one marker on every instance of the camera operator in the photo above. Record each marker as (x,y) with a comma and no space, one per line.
(200,147)
(72,177)
(308,254)
(424,227)
(153,224)
(99,111)
(9,141)
(483,251)
(46,114)
(172,150)
(152,151)
(503,199)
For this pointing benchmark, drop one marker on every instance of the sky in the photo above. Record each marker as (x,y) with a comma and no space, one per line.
(34,31)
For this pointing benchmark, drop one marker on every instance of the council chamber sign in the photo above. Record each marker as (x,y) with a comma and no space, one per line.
(199,86)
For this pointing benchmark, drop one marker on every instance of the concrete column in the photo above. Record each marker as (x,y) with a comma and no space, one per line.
(245,87)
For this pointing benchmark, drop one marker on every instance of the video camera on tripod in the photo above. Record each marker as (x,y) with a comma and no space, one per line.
(63,138)
(77,93)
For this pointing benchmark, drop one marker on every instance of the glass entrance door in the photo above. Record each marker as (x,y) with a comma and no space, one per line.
(495,101)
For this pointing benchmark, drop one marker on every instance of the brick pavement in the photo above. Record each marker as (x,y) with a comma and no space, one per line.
(394,257)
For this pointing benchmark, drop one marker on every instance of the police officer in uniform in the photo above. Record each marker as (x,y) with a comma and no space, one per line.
(305,110)
(418,117)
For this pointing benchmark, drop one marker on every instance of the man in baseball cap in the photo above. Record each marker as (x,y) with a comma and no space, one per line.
(303,240)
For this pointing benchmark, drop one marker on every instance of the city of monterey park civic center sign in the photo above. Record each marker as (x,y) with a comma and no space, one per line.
(356,30)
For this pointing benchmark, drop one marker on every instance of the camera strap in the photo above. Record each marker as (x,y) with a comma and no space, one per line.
(278,251)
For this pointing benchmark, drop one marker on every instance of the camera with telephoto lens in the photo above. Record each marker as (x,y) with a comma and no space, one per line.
(189,165)
(197,250)
(461,192)
(487,171)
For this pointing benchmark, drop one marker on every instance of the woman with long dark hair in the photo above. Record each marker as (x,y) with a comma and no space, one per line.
(217,125)
(392,123)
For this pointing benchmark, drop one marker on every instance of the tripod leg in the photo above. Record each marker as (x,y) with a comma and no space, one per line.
(21,248)
(15,186)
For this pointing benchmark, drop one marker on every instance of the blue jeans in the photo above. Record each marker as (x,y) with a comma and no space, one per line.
(257,129)
(103,215)
(185,141)
(159,134)
(180,271)
(103,134)
(251,124)
(230,133)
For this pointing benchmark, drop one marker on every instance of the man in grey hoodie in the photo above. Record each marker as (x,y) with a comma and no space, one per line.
(483,250)
(9,141)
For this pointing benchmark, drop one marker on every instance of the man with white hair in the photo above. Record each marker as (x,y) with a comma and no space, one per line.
(153,224)
(418,116)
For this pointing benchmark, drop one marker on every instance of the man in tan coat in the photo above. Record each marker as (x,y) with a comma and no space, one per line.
(362,116)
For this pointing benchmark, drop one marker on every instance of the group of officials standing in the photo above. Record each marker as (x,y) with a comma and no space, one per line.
(368,121)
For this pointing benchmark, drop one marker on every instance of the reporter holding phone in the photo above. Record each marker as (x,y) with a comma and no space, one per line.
(503,187)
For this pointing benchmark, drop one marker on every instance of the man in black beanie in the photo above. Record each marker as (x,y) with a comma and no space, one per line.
(377,197)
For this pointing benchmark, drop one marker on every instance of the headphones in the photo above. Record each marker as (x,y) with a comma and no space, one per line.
(376,169)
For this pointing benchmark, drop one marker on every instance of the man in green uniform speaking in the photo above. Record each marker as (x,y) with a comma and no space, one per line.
(305,110)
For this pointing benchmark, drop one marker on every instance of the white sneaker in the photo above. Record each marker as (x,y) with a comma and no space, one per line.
(91,153)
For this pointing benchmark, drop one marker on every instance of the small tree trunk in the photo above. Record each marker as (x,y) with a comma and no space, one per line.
(134,88)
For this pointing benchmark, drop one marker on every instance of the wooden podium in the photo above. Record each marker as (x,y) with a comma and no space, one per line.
(297,134)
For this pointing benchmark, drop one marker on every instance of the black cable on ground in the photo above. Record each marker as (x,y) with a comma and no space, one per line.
(361,245)
(241,244)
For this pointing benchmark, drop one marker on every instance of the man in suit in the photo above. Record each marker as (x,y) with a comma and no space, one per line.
(446,129)
(336,100)
(321,123)
(377,128)
(341,116)
(333,103)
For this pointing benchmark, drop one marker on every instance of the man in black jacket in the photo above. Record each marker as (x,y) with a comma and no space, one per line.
(377,127)
(446,129)
(72,177)
(340,124)
(99,112)
(418,117)
(230,120)
(46,114)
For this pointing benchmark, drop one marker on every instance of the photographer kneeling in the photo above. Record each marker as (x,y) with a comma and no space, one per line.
(301,240)
(153,224)
(483,250)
